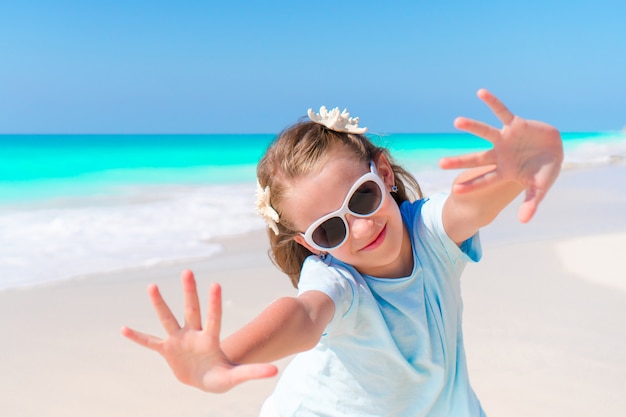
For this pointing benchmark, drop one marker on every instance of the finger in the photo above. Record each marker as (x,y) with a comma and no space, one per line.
(533,197)
(167,319)
(477,128)
(481,181)
(192,304)
(496,106)
(243,373)
(143,339)
(471,160)
(214,315)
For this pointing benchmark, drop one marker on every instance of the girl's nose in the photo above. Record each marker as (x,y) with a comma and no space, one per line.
(360,227)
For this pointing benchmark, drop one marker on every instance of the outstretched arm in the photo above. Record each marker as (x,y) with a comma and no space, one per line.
(526,156)
(198,358)
(289,325)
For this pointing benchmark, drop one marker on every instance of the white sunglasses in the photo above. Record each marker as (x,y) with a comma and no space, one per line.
(363,200)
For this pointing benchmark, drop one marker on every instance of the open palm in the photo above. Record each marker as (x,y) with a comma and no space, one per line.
(193,352)
(526,151)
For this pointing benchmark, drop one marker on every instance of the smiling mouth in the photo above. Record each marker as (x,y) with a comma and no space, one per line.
(377,241)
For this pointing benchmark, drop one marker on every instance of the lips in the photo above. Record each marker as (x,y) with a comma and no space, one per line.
(377,241)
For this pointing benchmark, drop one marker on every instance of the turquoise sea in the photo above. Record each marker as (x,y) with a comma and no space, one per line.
(73,205)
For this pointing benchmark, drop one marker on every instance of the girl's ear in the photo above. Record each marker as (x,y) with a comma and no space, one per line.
(385,171)
(300,240)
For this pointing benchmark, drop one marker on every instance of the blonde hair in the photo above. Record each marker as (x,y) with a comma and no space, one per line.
(297,152)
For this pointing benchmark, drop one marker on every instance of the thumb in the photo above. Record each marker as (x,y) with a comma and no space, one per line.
(243,373)
(531,203)
(227,379)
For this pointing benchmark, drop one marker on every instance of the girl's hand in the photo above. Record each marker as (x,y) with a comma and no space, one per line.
(525,151)
(194,353)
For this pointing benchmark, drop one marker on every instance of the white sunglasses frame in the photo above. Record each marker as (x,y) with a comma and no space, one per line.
(343,210)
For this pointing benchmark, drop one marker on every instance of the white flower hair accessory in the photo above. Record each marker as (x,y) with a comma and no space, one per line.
(264,208)
(339,122)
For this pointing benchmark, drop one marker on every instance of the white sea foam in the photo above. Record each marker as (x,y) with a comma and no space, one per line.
(140,228)
(147,225)
(606,150)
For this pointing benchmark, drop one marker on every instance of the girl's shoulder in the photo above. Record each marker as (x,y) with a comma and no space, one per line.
(426,208)
(326,268)
(424,218)
(328,276)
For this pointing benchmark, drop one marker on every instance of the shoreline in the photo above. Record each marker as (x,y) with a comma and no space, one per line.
(547,224)
(541,338)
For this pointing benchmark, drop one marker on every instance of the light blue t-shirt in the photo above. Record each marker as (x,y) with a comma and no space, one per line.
(394,346)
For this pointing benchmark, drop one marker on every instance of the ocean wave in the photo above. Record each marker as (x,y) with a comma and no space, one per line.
(133,226)
(144,227)
(605,150)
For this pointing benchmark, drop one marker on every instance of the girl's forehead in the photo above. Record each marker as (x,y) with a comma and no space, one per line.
(335,170)
(323,190)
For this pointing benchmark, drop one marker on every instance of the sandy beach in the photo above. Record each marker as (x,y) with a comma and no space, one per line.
(545,320)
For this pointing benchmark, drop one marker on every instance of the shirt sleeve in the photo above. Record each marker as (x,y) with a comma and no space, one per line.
(430,217)
(316,275)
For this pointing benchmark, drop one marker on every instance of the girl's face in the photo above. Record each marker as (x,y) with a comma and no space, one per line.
(377,245)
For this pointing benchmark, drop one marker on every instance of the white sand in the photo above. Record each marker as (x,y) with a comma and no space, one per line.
(545,321)
(542,341)
(601,269)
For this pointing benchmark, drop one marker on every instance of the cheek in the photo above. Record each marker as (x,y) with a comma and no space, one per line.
(391,210)
(343,253)
(395,223)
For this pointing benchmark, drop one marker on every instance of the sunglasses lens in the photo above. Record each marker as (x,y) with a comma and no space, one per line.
(366,198)
(330,233)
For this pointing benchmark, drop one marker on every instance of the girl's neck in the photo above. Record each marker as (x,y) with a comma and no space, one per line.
(400,267)
(406,263)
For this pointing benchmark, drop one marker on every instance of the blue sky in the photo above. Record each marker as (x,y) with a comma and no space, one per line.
(255,67)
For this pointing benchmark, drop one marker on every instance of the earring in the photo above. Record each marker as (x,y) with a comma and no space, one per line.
(394,189)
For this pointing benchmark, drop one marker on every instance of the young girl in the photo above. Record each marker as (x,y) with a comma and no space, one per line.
(376,325)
